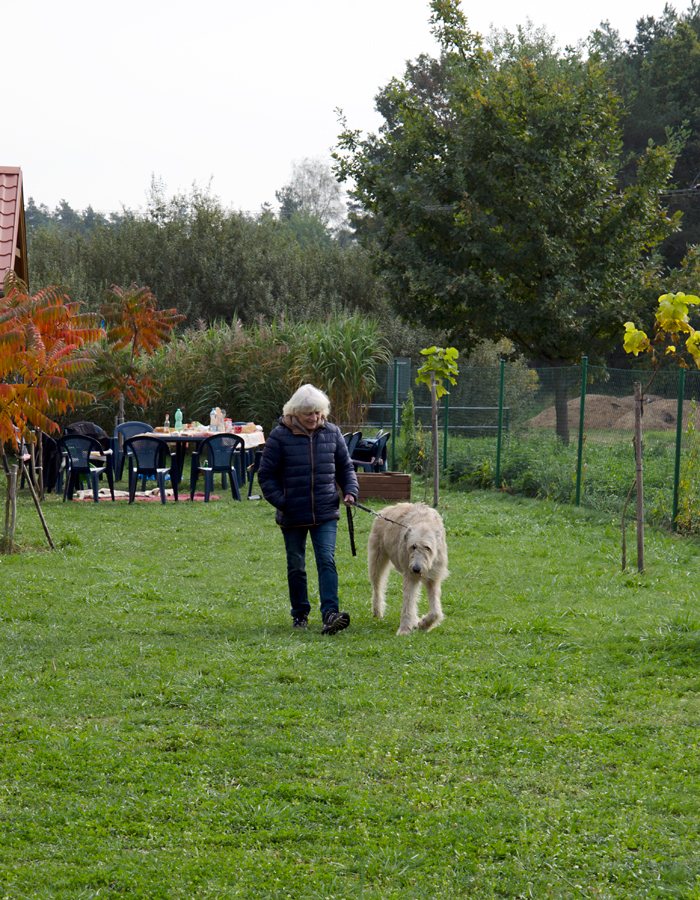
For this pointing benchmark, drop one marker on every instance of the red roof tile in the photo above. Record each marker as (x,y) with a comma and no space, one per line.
(13,235)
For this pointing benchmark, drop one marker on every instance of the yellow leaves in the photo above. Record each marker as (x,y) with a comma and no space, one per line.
(672,314)
(692,345)
(671,322)
(635,340)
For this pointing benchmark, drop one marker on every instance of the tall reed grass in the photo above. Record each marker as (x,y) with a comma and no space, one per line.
(251,371)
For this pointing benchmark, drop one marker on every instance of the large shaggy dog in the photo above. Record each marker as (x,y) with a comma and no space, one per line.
(413,541)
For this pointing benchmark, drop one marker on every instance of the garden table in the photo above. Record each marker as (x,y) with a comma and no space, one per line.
(182,438)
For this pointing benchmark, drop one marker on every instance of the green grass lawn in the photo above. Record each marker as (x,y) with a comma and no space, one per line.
(165,734)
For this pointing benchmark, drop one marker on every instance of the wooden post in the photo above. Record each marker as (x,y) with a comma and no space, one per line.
(10,511)
(436,470)
(640,481)
(40,464)
(38,507)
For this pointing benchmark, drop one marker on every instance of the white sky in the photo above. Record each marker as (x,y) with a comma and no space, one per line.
(97,97)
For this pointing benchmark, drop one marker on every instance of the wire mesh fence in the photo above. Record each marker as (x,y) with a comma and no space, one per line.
(545,449)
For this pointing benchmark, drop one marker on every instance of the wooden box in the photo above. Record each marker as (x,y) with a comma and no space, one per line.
(395,486)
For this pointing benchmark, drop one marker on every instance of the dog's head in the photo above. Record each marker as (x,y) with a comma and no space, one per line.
(422,549)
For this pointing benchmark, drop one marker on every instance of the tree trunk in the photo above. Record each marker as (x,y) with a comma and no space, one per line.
(8,542)
(640,481)
(436,470)
(561,407)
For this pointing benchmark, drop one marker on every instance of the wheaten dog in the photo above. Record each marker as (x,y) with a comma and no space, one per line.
(416,547)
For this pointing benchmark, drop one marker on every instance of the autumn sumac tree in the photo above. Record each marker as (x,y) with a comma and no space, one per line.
(492,193)
(135,327)
(43,342)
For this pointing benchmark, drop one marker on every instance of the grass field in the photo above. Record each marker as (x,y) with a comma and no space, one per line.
(165,734)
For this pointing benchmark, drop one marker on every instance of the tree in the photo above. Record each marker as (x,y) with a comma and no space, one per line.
(42,341)
(671,323)
(135,326)
(658,75)
(494,197)
(314,190)
(440,365)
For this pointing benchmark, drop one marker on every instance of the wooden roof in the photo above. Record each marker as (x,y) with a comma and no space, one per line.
(13,231)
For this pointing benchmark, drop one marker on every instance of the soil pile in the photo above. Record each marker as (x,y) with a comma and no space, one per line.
(617,414)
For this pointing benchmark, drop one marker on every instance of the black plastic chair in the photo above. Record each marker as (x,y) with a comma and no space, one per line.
(122,433)
(147,456)
(370,455)
(352,440)
(220,453)
(81,453)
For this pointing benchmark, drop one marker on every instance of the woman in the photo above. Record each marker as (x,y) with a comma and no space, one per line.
(304,457)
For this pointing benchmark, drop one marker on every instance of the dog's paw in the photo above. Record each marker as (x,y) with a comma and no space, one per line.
(428,621)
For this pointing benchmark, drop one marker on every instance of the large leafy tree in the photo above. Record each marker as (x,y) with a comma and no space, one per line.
(492,193)
(658,75)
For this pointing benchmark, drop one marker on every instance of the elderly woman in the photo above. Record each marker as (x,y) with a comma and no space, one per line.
(304,457)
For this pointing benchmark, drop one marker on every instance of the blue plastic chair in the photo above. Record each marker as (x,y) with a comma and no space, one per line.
(122,433)
(147,457)
(223,454)
(85,457)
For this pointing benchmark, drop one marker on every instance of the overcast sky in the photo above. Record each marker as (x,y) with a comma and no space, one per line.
(99,97)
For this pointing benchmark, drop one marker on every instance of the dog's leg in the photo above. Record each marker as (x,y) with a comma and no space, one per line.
(409,619)
(379,566)
(434,615)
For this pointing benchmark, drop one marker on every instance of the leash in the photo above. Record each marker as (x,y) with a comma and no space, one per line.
(351,524)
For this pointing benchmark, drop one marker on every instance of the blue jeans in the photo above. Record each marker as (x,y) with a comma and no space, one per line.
(323,540)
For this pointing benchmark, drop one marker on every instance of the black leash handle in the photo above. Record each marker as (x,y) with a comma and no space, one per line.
(351,529)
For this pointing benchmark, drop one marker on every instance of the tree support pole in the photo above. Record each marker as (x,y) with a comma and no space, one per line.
(499,439)
(679,438)
(639,479)
(579,461)
(38,509)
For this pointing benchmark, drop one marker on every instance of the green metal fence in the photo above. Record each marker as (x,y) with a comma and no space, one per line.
(562,432)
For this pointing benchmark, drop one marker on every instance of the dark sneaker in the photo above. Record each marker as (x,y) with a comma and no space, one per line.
(300,622)
(335,621)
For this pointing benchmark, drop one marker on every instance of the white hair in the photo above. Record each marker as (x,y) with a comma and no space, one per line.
(307,399)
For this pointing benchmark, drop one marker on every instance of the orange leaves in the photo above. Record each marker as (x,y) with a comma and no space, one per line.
(134,320)
(136,325)
(40,340)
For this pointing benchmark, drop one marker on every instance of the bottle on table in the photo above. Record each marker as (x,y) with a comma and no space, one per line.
(212,419)
(166,427)
(178,420)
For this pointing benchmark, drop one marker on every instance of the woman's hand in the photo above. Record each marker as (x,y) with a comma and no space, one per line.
(349,500)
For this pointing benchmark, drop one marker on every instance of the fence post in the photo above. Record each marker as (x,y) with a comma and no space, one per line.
(394,419)
(500,423)
(638,400)
(679,436)
(447,419)
(579,460)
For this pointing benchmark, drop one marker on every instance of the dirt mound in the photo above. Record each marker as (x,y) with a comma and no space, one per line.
(617,414)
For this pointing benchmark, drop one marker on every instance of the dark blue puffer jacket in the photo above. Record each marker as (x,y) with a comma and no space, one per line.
(298,474)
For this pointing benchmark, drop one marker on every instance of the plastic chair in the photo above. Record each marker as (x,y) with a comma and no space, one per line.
(370,455)
(147,456)
(80,453)
(222,453)
(352,440)
(122,433)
